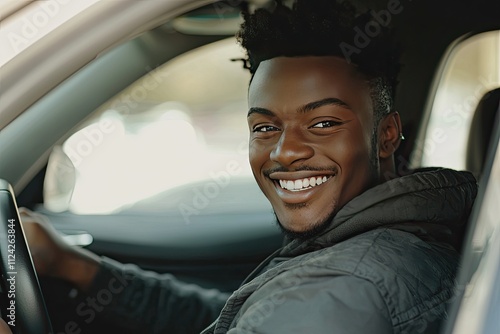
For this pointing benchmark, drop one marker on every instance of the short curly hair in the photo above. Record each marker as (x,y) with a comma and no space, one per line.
(325,28)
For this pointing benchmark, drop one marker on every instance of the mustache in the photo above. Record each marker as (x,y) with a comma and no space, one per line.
(269,171)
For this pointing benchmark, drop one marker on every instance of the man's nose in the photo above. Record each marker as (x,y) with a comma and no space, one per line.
(292,147)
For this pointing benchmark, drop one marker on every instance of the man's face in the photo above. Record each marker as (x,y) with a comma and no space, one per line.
(311,124)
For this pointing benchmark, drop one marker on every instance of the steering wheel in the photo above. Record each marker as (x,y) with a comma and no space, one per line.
(22,304)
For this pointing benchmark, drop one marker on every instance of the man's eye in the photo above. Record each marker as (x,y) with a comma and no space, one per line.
(326,124)
(265,128)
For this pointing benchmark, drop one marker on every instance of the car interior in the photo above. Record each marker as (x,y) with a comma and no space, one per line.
(144,70)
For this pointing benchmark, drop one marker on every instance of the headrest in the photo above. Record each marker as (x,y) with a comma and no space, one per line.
(481,129)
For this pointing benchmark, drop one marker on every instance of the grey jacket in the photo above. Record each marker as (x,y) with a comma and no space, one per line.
(385,264)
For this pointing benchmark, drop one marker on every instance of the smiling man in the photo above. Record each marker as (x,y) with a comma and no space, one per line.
(364,252)
(311,147)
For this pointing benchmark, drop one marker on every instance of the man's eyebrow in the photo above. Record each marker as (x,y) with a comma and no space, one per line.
(318,104)
(303,109)
(262,111)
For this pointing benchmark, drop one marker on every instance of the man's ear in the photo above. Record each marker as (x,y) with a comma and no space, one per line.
(390,134)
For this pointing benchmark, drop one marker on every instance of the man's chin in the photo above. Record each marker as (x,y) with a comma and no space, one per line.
(310,233)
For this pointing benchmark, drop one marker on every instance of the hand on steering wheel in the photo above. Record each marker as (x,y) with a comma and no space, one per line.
(23,307)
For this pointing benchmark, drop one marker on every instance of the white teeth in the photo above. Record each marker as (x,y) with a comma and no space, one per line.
(312,181)
(305,183)
(302,184)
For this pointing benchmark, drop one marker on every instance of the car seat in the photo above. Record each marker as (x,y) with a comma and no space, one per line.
(483,120)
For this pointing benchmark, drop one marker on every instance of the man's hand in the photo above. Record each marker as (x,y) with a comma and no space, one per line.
(46,246)
(4,328)
(52,256)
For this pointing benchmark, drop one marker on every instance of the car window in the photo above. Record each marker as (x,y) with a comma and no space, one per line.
(182,123)
(471,70)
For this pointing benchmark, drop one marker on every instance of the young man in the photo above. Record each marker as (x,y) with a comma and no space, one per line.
(366,251)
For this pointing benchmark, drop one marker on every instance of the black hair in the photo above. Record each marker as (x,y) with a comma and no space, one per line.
(326,28)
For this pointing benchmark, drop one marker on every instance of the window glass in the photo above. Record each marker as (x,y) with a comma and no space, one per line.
(181,123)
(472,70)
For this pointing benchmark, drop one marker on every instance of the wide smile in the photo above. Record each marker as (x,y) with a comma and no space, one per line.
(299,187)
(303,184)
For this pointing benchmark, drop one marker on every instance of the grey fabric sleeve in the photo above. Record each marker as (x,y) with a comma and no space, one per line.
(139,301)
(342,304)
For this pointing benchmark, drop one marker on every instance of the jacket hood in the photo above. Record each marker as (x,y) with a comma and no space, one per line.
(433,203)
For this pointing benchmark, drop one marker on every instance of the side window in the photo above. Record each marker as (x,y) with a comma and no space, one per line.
(472,69)
(182,123)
